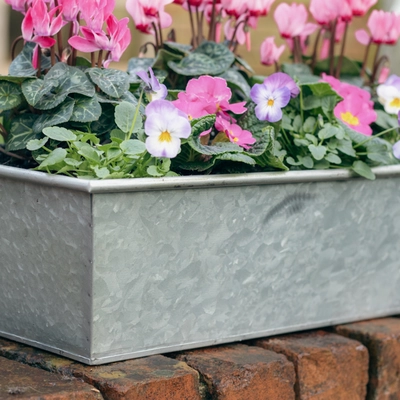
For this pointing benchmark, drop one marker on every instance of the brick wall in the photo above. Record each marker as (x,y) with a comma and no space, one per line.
(347,362)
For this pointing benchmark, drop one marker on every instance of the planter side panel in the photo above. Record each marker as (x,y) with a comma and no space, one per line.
(185,268)
(45,255)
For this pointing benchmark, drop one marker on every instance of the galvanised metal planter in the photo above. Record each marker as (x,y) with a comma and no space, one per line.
(101,271)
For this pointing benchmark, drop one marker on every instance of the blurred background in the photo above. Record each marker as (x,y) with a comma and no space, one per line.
(10,23)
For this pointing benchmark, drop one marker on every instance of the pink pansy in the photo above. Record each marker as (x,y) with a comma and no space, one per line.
(270,52)
(115,41)
(356,114)
(384,28)
(235,133)
(360,7)
(214,93)
(292,21)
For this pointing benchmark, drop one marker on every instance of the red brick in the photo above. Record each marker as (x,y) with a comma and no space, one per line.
(328,366)
(19,381)
(150,378)
(241,372)
(382,338)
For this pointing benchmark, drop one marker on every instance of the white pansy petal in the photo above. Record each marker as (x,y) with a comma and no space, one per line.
(153,125)
(390,109)
(387,92)
(274,114)
(259,93)
(262,111)
(166,149)
(180,127)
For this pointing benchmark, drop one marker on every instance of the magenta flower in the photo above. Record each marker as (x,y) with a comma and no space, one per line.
(356,114)
(272,95)
(70,13)
(114,42)
(214,94)
(165,125)
(40,25)
(95,12)
(235,133)
(19,5)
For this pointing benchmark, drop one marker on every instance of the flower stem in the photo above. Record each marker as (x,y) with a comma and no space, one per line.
(10,154)
(14,45)
(314,54)
(160,31)
(332,48)
(375,136)
(194,41)
(93,59)
(340,62)
(100,58)
(211,32)
(53,56)
(364,65)
(135,117)
(39,62)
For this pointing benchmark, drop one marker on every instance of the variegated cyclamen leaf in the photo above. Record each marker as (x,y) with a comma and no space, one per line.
(237,157)
(208,59)
(58,116)
(22,64)
(35,89)
(236,80)
(21,132)
(86,109)
(10,95)
(111,81)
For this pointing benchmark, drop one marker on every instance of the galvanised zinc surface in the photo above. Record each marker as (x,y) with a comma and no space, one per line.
(177,269)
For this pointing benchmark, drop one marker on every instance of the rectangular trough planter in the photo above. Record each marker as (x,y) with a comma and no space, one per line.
(101,271)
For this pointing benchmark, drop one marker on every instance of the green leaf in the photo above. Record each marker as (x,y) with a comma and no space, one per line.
(346,147)
(136,65)
(329,131)
(312,139)
(10,95)
(89,153)
(72,162)
(21,132)
(236,80)
(36,144)
(111,81)
(86,109)
(245,65)
(318,152)
(321,89)
(363,169)
(309,125)
(35,89)
(101,173)
(58,116)
(163,58)
(117,134)
(297,123)
(311,102)
(386,121)
(56,156)
(125,116)
(349,67)
(333,158)
(154,171)
(22,64)
(180,48)
(237,157)
(296,70)
(59,134)
(133,147)
(209,58)
(308,162)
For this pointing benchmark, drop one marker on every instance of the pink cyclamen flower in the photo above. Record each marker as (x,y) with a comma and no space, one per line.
(259,8)
(96,12)
(292,21)
(325,12)
(235,8)
(270,52)
(384,27)
(70,13)
(235,133)
(154,89)
(19,5)
(360,7)
(165,126)
(356,115)
(151,8)
(272,95)
(115,41)
(40,25)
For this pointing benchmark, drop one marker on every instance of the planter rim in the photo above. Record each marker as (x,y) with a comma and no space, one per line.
(187,182)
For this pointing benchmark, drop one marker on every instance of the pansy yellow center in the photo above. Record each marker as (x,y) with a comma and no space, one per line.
(350,118)
(271,102)
(395,103)
(165,137)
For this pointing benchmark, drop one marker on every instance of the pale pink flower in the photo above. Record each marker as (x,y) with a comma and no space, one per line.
(259,8)
(270,52)
(19,5)
(324,12)
(236,8)
(360,7)
(151,8)
(384,27)
(292,21)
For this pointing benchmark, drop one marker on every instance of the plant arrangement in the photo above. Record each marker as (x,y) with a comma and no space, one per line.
(197,107)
